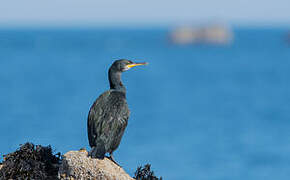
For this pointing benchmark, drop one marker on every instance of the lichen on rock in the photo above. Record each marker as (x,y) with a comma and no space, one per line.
(78,165)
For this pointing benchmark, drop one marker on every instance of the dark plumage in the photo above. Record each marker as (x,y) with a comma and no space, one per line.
(108,116)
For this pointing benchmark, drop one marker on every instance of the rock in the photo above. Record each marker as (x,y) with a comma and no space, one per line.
(39,162)
(77,165)
(216,34)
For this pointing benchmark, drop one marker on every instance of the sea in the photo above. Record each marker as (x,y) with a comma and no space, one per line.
(198,112)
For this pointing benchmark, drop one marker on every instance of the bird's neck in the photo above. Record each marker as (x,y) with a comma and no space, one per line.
(115,81)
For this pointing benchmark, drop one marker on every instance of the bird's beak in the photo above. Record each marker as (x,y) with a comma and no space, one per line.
(136,64)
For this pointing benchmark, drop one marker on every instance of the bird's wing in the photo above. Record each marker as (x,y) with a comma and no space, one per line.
(108,119)
(95,118)
(120,118)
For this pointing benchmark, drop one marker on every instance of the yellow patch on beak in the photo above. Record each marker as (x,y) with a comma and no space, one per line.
(136,64)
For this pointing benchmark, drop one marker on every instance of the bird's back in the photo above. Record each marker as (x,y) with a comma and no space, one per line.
(107,121)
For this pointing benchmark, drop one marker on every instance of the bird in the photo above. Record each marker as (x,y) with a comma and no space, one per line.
(109,114)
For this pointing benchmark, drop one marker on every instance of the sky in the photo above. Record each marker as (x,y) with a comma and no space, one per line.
(158,12)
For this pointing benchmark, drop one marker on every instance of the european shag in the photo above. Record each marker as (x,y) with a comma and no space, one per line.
(108,116)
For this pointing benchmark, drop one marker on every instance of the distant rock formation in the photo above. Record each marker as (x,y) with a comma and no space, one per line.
(216,34)
(77,165)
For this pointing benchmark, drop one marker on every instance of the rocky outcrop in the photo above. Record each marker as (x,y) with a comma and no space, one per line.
(77,165)
(39,162)
(216,34)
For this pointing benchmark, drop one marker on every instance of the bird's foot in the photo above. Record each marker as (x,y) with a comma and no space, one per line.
(113,160)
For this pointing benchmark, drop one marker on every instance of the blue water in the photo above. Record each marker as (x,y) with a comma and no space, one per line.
(197,112)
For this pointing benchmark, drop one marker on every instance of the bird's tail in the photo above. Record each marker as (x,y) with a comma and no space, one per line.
(98,151)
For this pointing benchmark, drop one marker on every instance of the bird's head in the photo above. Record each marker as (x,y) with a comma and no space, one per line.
(124,65)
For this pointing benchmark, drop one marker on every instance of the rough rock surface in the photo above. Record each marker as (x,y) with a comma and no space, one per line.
(77,165)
